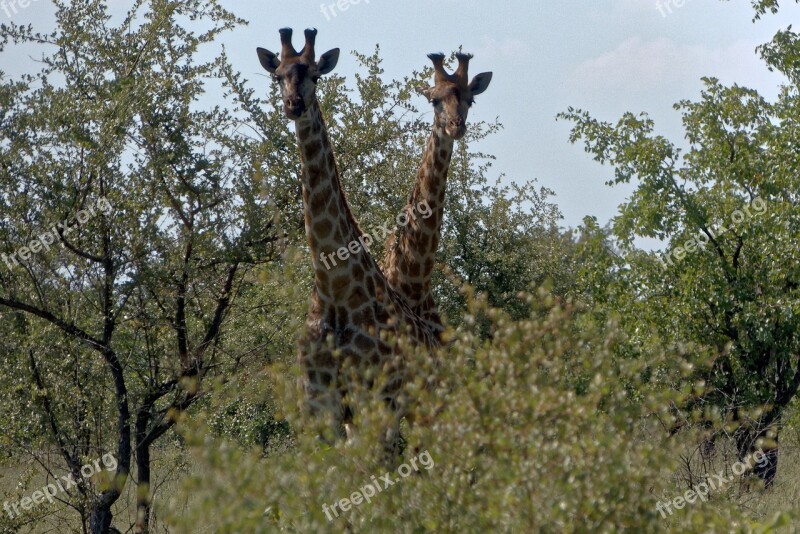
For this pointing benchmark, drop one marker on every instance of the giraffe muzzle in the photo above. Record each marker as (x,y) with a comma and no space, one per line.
(294,107)
(456,128)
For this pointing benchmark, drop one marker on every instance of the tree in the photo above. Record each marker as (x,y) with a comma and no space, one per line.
(122,308)
(191,264)
(727,210)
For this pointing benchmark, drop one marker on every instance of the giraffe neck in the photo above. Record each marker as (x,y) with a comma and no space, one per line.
(330,225)
(410,260)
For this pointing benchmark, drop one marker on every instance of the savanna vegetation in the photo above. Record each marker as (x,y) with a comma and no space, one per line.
(584,380)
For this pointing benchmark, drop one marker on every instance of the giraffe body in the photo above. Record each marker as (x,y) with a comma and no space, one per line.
(356,321)
(411,254)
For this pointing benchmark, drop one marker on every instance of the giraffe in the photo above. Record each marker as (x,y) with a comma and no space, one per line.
(356,320)
(411,253)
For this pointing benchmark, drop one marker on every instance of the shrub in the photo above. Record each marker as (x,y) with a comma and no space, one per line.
(539,428)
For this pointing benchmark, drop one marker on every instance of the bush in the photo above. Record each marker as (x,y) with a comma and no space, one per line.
(539,428)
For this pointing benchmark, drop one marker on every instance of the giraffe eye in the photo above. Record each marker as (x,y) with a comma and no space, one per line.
(435,102)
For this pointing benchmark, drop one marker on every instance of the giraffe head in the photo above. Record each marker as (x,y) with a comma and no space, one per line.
(453,94)
(297,72)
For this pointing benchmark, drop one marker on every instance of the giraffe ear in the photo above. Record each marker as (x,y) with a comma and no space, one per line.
(327,62)
(480,83)
(268,60)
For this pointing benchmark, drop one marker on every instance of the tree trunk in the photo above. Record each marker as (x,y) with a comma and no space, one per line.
(746,440)
(143,491)
(142,471)
(769,468)
(100,519)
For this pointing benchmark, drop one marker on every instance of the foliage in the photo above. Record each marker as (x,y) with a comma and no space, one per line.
(114,323)
(725,209)
(552,411)
(197,269)
(528,432)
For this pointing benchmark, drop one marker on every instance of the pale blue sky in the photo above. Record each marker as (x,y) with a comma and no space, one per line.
(605,56)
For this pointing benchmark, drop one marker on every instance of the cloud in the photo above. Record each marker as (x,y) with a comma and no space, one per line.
(507,48)
(643,65)
(629,7)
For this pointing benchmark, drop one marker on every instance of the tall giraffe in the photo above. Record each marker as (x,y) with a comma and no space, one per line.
(356,320)
(411,254)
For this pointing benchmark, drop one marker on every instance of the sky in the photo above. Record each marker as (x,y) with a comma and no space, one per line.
(603,56)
